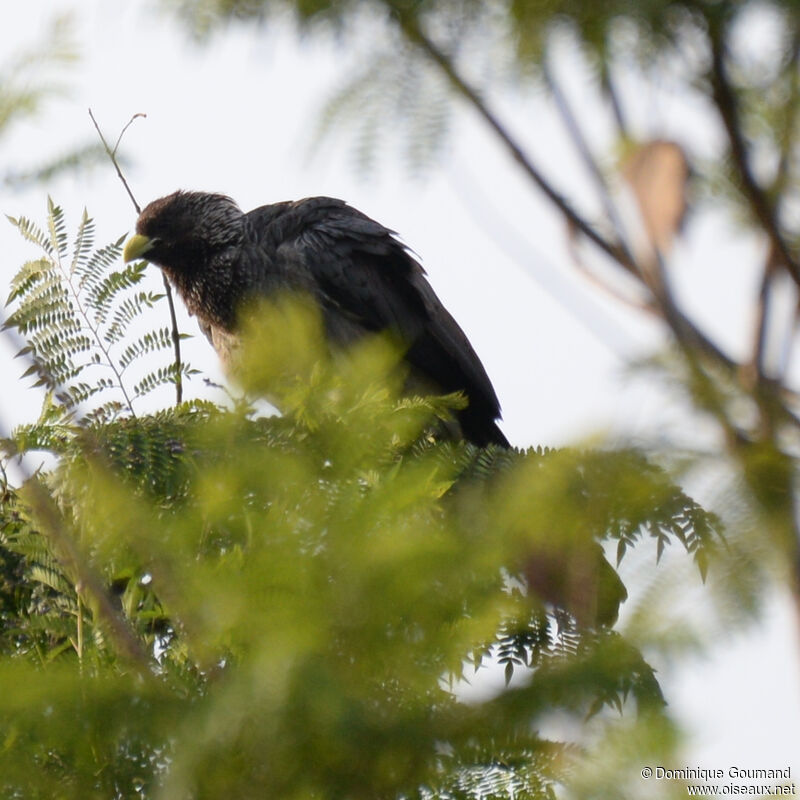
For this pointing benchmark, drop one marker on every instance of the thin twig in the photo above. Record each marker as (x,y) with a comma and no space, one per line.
(756,372)
(130,122)
(726,102)
(176,337)
(787,139)
(112,154)
(582,146)
(602,284)
(607,83)
(176,342)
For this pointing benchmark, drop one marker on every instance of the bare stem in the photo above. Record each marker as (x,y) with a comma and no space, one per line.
(589,161)
(762,315)
(613,98)
(112,154)
(176,337)
(176,342)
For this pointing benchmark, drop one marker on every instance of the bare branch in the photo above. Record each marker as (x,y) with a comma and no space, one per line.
(788,134)
(755,373)
(176,341)
(112,154)
(607,83)
(582,146)
(176,336)
(601,283)
(725,99)
(412,30)
(122,132)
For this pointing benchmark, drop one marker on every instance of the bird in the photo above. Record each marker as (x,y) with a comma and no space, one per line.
(364,280)
(359,274)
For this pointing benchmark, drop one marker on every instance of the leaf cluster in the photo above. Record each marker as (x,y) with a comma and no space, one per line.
(79,319)
(308,591)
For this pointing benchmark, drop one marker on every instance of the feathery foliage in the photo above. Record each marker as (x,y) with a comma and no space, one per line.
(309,595)
(25,83)
(79,315)
(29,81)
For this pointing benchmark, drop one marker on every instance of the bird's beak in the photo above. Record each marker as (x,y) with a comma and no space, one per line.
(136,247)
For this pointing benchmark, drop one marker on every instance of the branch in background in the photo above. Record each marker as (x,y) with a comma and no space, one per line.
(410,27)
(605,286)
(652,274)
(767,394)
(87,582)
(756,373)
(725,99)
(582,146)
(783,173)
(176,336)
(607,83)
(687,334)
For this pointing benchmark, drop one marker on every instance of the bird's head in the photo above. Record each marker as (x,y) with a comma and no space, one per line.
(182,231)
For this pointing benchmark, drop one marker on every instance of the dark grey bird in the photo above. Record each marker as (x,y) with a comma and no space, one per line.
(361,277)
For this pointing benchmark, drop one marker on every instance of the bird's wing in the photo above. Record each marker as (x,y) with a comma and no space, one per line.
(365,279)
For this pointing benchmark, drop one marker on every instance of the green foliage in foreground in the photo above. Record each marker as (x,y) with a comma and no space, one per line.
(306,591)
(208,603)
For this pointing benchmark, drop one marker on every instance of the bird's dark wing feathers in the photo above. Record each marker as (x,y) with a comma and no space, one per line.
(365,279)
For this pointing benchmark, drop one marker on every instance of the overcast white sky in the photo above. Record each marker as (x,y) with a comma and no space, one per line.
(235,116)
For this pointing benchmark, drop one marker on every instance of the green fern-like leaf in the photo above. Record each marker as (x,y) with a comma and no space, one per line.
(75,311)
(160,377)
(155,340)
(92,270)
(102,295)
(32,232)
(84,240)
(51,577)
(129,310)
(57,229)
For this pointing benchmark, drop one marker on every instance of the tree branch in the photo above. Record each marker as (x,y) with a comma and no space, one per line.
(684,330)
(410,27)
(725,100)
(589,161)
(176,336)
(607,83)
(762,314)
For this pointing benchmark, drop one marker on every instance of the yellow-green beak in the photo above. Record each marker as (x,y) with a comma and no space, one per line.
(136,247)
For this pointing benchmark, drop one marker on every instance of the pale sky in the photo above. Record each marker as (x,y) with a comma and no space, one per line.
(235,117)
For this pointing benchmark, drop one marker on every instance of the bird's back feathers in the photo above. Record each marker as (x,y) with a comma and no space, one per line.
(365,279)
